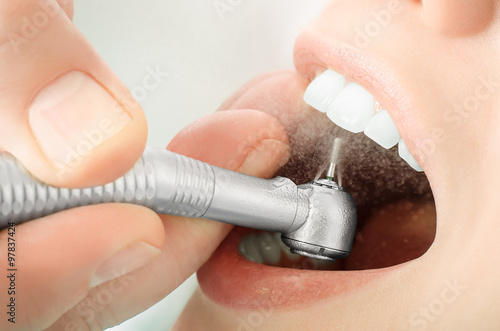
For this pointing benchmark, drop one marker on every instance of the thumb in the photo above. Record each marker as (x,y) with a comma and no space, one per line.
(66,116)
(249,141)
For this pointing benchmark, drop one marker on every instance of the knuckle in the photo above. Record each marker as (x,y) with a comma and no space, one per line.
(23,21)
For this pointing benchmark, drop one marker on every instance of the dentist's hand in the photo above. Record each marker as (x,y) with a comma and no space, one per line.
(72,123)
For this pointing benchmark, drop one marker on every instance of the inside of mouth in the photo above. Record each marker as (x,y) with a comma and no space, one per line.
(396,211)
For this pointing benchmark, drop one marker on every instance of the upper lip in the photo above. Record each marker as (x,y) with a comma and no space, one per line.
(231,280)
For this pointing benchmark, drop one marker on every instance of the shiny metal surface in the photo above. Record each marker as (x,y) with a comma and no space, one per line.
(317,219)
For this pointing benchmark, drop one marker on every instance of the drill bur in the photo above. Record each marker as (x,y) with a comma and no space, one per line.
(334,159)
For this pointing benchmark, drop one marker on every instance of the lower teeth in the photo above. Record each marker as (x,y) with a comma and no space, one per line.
(267,248)
(264,248)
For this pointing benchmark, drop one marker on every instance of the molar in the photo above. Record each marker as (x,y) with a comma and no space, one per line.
(249,249)
(269,249)
(265,247)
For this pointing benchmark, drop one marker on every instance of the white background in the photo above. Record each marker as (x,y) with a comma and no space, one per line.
(207,53)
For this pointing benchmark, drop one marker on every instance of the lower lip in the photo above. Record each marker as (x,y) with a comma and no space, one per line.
(232,281)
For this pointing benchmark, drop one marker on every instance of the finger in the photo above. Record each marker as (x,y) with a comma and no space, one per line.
(310,132)
(254,138)
(256,141)
(67,6)
(59,258)
(278,94)
(65,115)
(259,147)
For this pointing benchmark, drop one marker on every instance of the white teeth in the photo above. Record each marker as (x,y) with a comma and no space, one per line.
(324,89)
(248,248)
(404,153)
(269,248)
(352,109)
(382,130)
(265,247)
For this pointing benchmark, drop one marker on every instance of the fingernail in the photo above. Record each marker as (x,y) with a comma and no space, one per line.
(266,158)
(127,260)
(72,116)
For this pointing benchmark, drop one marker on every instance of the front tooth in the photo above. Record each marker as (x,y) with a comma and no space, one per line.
(352,109)
(323,90)
(249,248)
(404,153)
(269,249)
(382,130)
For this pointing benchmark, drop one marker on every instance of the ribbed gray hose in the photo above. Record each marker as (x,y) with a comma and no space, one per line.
(166,182)
(24,198)
(316,219)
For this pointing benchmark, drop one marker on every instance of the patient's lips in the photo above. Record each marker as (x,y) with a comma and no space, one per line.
(415,89)
(357,94)
(230,279)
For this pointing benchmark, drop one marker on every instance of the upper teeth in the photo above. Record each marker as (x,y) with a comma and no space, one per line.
(382,130)
(404,153)
(267,248)
(323,90)
(352,108)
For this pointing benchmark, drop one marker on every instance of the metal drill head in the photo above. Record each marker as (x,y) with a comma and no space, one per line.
(328,232)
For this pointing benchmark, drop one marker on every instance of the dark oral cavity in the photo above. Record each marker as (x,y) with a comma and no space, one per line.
(396,213)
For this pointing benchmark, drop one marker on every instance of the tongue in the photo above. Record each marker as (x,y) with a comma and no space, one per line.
(394,234)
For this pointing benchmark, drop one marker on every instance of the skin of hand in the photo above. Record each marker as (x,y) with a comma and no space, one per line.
(70,121)
(445,55)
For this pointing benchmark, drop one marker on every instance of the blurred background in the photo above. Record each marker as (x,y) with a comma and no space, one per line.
(205,50)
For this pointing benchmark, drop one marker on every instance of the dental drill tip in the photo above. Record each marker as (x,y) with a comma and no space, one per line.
(331,172)
(334,159)
(337,144)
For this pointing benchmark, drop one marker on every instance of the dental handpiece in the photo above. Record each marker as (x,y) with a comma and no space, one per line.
(317,219)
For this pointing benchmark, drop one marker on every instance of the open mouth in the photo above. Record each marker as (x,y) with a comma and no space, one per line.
(396,212)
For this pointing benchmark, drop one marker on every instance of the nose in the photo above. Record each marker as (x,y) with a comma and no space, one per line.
(458,18)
